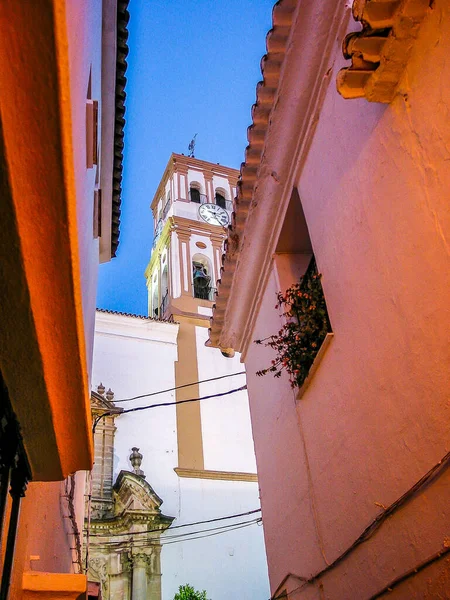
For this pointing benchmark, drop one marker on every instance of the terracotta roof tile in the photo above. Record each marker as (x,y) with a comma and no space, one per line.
(380,51)
(123,16)
(143,317)
(271,65)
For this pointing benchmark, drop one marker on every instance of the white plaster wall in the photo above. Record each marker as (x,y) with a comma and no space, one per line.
(174,266)
(135,356)
(229,565)
(194,175)
(186,267)
(208,252)
(188,210)
(126,352)
(167,189)
(175,187)
(222,182)
(182,194)
(226,426)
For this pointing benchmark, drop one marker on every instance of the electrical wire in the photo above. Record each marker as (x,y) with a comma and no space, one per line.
(178,387)
(423,565)
(180,537)
(139,408)
(199,537)
(237,515)
(369,531)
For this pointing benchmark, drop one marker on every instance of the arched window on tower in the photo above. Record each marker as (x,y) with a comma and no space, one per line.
(220,198)
(194,192)
(202,277)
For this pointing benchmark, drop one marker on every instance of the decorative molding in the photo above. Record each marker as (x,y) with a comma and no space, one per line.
(380,52)
(221,475)
(98,568)
(178,163)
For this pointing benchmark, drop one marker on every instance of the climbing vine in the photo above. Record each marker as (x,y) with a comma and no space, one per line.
(307,324)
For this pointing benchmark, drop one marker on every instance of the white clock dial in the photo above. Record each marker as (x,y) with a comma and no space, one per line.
(213,214)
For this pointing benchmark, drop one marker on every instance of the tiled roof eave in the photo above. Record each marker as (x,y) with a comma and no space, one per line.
(266,90)
(123,17)
(134,316)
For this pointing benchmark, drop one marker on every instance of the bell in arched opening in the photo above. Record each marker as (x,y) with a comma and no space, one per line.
(201,280)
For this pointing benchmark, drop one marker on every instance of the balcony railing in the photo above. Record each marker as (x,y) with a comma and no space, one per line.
(227,205)
(205,293)
(196,197)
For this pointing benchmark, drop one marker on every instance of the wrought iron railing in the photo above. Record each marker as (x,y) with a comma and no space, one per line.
(205,293)
(196,197)
(15,474)
(223,202)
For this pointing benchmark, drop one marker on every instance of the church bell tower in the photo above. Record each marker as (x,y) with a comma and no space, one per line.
(191,209)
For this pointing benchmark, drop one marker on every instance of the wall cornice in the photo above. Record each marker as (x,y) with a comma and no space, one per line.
(218,475)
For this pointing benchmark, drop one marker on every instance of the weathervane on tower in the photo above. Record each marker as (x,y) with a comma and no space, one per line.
(191,147)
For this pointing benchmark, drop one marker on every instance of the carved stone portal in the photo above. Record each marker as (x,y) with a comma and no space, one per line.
(127,566)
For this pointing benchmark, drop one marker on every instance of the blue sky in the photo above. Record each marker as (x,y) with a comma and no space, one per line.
(193,67)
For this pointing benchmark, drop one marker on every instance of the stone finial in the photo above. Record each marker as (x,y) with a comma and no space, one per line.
(136,460)
(110,395)
(101,389)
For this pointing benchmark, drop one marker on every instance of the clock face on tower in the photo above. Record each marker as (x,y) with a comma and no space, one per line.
(213,214)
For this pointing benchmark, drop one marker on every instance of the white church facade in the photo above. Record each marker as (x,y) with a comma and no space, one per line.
(196,461)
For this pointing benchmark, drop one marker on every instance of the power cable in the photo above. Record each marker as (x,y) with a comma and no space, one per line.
(178,387)
(184,536)
(244,514)
(199,537)
(139,408)
(376,523)
(412,572)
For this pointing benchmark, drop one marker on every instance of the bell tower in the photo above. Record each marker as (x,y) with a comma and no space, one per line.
(191,210)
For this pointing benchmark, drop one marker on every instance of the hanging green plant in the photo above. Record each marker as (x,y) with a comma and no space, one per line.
(307,324)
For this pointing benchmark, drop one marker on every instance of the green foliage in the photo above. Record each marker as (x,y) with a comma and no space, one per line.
(187,592)
(307,324)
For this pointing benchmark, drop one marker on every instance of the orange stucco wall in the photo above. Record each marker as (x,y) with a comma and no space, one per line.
(44,530)
(375,419)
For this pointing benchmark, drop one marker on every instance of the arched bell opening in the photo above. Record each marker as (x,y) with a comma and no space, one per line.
(201,277)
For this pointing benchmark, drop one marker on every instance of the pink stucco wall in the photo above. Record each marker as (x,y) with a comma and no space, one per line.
(374,190)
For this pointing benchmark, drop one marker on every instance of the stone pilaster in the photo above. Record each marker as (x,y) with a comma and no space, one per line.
(141,563)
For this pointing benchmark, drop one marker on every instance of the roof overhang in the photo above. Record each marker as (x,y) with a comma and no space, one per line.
(42,342)
(115,17)
(296,73)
